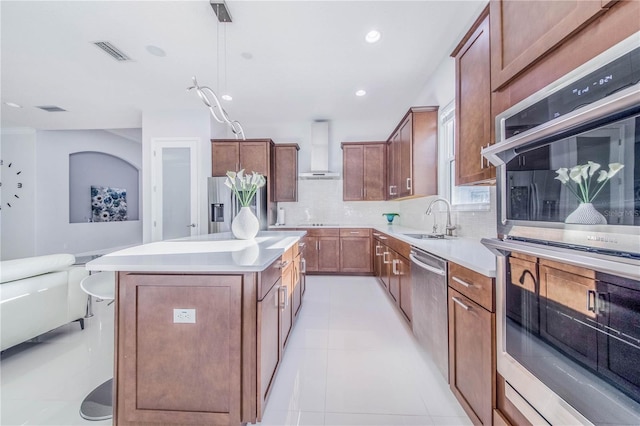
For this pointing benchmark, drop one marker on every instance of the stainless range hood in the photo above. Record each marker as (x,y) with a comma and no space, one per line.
(319,153)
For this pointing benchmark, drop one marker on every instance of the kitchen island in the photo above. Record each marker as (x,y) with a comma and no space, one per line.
(201,325)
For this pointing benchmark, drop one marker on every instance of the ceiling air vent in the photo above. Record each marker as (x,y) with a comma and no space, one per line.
(51,108)
(112,51)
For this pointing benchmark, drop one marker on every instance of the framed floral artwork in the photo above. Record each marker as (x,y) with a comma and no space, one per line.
(108,204)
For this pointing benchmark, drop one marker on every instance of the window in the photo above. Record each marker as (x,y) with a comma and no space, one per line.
(461,197)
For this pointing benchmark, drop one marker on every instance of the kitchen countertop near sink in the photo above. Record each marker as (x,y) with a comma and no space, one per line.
(466,252)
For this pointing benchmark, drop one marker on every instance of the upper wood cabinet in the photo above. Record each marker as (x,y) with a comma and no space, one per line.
(232,155)
(523,32)
(364,171)
(474,120)
(286,172)
(412,163)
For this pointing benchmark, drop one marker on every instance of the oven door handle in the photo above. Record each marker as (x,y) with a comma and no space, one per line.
(427,267)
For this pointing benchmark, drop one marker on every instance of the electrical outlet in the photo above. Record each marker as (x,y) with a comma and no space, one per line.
(184,316)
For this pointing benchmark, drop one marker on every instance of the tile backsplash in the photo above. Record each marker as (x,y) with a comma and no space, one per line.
(320,201)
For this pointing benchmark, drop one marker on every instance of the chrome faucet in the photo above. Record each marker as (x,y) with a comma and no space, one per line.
(449,226)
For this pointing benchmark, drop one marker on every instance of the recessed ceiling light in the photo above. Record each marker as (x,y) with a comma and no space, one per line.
(13,105)
(156,51)
(372,36)
(227,97)
(361,92)
(247,55)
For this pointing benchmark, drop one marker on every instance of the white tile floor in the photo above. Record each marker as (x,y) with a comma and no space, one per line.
(351,360)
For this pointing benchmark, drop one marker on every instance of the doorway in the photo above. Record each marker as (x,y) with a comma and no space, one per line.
(174,188)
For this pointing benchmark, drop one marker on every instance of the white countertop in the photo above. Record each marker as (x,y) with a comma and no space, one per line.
(466,252)
(203,253)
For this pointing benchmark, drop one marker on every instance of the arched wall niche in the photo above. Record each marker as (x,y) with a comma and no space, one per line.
(93,168)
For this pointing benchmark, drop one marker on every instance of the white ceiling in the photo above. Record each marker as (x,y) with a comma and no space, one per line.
(308,58)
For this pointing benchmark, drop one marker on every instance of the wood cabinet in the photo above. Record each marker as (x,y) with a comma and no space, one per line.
(286,301)
(364,171)
(474,119)
(286,172)
(471,357)
(297,284)
(523,32)
(355,250)
(322,250)
(393,269)
(201,380)
(472,342)
(232,155)
(268,342)
(412,155)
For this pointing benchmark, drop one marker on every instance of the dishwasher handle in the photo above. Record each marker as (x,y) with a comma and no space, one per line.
(425,266)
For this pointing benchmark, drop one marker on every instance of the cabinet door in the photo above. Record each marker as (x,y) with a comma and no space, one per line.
(268,341)
(522,32)
(393,161)
(254,157)
(311,253)
(471,342)
(394,276)
(385,272)
(225,156)
(355,254)
(377,259)
(286,173)
(406,302)
(297,286)
(286,305)
(328,254)
(405,158)
(374,172)
(202,373)
(474,122)
(353,172)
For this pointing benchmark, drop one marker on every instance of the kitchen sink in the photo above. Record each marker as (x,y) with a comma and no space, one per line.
(428,236)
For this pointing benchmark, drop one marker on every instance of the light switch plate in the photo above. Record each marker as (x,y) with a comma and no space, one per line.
(184,316)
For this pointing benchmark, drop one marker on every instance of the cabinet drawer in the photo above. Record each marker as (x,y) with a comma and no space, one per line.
(475,286)
(354,232)
(323,232)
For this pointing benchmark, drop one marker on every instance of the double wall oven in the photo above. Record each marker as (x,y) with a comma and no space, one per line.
(568,246)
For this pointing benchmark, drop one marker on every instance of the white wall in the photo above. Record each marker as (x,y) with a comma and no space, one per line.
(54,233)
(17,223)
(176,124)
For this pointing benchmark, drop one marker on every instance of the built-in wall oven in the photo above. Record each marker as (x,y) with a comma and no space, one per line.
(568,246)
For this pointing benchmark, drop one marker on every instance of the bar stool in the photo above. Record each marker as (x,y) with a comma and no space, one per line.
(98,405)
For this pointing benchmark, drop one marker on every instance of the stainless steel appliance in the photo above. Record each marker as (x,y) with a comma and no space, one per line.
(429,298)
(568,333)
(223,205)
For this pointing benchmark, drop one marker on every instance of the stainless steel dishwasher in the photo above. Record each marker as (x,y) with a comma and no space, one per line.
(430,321)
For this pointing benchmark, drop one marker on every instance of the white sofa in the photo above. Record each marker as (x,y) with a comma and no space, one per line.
(38,294)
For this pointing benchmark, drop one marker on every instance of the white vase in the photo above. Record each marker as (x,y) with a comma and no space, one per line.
(245,225)
(586,214)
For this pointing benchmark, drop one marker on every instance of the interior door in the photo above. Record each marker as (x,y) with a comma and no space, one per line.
(175,188)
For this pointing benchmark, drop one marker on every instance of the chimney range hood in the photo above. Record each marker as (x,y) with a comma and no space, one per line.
(319,153)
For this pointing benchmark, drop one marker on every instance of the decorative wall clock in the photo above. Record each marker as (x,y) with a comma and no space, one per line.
(11,183)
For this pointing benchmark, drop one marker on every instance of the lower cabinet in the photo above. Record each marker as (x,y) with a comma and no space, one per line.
(472,375)
(393,270)
(201,380)
(297,284)
(355,251)
(286,302)
(322,248)
(268,341)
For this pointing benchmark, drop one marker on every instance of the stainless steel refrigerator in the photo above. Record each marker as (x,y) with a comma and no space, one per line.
(223,206)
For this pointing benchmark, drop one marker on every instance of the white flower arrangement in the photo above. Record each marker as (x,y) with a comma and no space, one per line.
(244,185)
(582,175)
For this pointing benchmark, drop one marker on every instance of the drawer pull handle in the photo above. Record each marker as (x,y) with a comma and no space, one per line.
(375,234)
(378,251)
(284,264)
(354,232)
(303,262)
(464,283)
(459,302)
(384,257)
(383,238)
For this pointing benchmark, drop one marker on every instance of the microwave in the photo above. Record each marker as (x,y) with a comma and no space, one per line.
(568,159)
